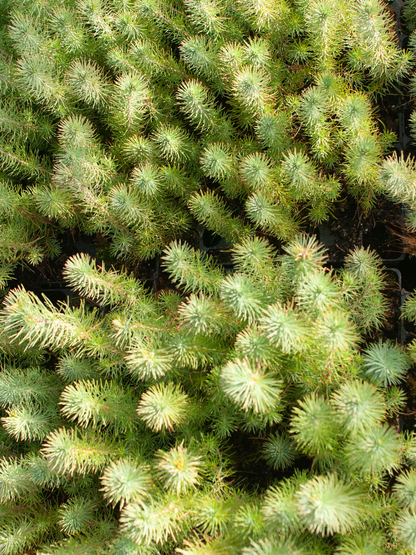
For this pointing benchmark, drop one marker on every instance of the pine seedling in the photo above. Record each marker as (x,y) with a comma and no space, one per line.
(361,274)
(249,520)
(34,75)
(374,451)
(202,315)
(324,21)
(397,176)
(359,406)
(251,387)
(253,345)
(105,287)
(163,407)
(196,102)
(279,451)
(405,489)
(327,505)
(217,162)
(200,56)
(137,149)
(127,205)
(255,257)
(363,156)
(315,426)
(72,368)
(355,115)
(279,506)
(147,362)
(98,17)
(272,217)
(256,170)
(216,514)
(405,529)
(338,333)
(270,545)
(145,180)
(385,364)
(313,108)
(257,53)
(87,83)
(262,15)
(125,481)
(210,210)
(71,35)
(26,35)
(369,542)
(318,293)
(76,515)
(374,45)
(25,387)
(130,103)
(55,203)
(409,308)
(21,535)
(190,269)
(173,144)
(96,404)
(206,16)
(27,423)
(15,481)
(231,56)
(303,254)
(286,328)
(128,23)
(42,324)
(69,451)
(214,546)
(179,469)
(299,173)
(243,297)
(154,522)
(251,93)
(272,131)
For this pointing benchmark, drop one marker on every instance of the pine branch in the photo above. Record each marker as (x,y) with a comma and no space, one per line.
(101,285)
(69,451)
(190,269)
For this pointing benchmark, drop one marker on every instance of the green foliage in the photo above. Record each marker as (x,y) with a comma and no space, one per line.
(328,505)
(279,451)
(75,515)
(125,481)
(163,407)
(116,115)
(385,364)
(154,389)
(132,122)
(155,522)
(315,426)
(360,406)
(375,451)
(179,469)
(97,404)
(405,489)
(250,386)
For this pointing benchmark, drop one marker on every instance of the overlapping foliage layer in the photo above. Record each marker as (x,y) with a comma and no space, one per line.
(129,421)
(123,425)
(132,119)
